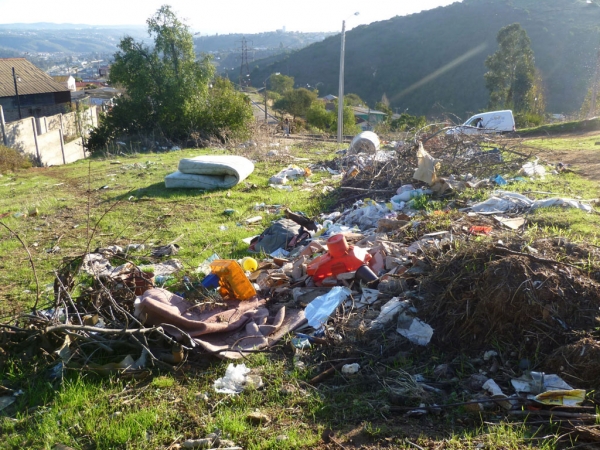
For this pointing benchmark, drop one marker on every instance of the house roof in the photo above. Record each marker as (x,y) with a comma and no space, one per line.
(367,111)
(60,78)
(32,79)
(329,97)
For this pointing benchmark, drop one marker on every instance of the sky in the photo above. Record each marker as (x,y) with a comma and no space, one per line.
(221,16)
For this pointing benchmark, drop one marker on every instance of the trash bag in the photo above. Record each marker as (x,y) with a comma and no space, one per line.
(278,235)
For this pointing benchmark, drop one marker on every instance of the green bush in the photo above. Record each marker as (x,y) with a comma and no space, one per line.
(526,120)
(408,122)
(11,160)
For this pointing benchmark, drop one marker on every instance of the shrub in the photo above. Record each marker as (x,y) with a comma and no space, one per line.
(11,160)
(526,120)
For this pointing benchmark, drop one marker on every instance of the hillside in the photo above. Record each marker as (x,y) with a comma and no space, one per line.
(65,38)
(398,57)
(226,48)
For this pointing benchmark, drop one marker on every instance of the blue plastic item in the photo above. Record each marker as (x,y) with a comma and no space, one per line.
(211,281)
(499,180)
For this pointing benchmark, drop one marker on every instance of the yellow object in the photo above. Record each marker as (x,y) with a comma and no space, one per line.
(571,397)
(249,264)
(232,280)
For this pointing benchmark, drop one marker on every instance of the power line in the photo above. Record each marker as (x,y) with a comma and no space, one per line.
(244,67)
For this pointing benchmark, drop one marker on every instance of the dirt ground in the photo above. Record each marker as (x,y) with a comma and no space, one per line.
(584,162)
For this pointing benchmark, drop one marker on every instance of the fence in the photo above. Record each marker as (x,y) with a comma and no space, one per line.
(44,138)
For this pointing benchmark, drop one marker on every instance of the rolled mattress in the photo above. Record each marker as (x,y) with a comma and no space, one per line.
(210,172)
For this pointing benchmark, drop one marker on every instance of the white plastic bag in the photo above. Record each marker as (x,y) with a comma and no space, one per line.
(418,332)
(318,311)
(234,380)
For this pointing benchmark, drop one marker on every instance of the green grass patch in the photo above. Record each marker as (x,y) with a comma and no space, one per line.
(564,127)
(122,200)
(565,143)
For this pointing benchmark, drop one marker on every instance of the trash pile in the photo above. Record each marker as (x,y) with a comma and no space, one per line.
(376,277)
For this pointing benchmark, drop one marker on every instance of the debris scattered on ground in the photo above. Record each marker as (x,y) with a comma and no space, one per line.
(234,381)
(381,275)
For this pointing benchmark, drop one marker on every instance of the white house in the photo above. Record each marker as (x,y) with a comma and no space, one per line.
(66,80)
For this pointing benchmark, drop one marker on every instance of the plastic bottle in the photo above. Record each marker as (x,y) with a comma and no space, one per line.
(232,280)
(249,264)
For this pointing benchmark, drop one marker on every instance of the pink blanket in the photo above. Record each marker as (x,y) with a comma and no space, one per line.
(227,329)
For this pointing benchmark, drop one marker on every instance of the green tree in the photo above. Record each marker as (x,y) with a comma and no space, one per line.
(318,116)
(350,126)
(408,122)
(353,100)
(281,83)
(380,106)
(586,106)
(168,90)
(296,102)
(511,72)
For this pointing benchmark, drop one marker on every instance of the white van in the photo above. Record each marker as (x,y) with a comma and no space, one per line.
(488,122)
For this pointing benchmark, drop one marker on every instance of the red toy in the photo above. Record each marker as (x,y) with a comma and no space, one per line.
(340,258)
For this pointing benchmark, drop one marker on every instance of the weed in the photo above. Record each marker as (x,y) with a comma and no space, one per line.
(11,160)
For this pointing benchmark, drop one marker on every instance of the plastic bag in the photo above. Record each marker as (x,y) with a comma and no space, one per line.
(318,311)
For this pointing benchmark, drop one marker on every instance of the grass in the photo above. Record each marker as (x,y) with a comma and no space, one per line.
(107,414)
(564,143)
(98,203)
(564,127)
(69,207)
(574,224)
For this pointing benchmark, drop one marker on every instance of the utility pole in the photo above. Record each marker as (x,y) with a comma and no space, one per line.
(17,92)
(340,123)
(596,81)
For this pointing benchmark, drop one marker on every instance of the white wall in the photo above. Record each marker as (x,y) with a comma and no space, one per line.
(42,136)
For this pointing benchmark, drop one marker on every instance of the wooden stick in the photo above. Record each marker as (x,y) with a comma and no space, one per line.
(535,258)
(348,188)
(556,414)
(329,372)
(99,330)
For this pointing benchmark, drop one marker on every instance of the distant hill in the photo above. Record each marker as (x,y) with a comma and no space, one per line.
(21,38)
(433,62)
(226,48)
(66,38)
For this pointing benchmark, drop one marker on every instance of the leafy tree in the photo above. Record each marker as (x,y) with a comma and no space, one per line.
(408,122)
(168,90)
(296,101)
(380,106)
(227,113)
(350,126)
(319,117)
(511,75)
(353,100)
(281,83)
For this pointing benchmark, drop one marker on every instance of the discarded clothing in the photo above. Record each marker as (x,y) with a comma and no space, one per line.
(278,235)
(505,201)
(228,329)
